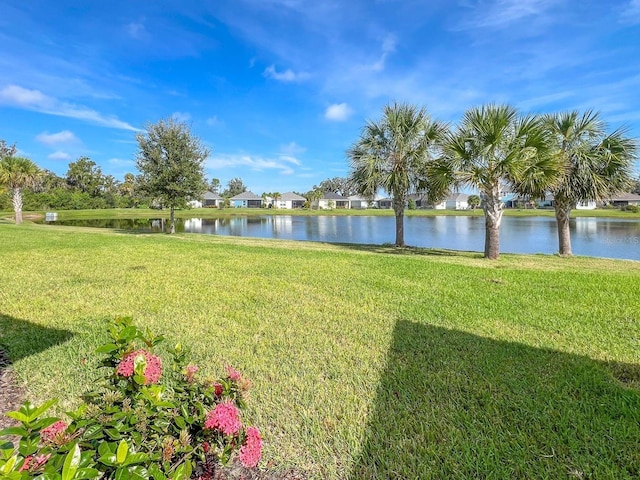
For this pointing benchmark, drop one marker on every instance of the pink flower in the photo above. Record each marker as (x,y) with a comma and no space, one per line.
(233,374)
(251,451)
(27,462)
(190,372)
(224,417)
(54,433)
(152,366)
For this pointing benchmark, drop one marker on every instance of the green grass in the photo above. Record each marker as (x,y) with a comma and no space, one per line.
(367,362)
(215,213)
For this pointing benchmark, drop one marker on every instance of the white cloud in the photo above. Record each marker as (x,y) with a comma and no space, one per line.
(136,30)
(282,162)
(338,112)
(631,13)
(183,117)
(214,121)
(64,136)
(59,155)
(388,47)
(292,149)
(16,96)
(502,13)
(287,76)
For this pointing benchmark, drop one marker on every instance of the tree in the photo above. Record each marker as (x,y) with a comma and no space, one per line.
(214,185)
(340,185)
(635,185)
(496,149)
(595,164)
(171,163)
(18,173)
(395,154)
(85,175)
(313,196)
(234,187)
(276,196)
(474,201)
(6,150)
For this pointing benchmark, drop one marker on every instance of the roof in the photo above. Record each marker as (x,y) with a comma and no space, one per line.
(211,196)
(458,197)
(332,196)
(625,196)
(291,196)
(246,196)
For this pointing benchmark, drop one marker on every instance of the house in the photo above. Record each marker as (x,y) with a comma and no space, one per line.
(385,203)
(210,199)
(625,199)
(332,200)
(586,205)
(457,201)
(419,198)
(246,200)
(290,201)
(360,202)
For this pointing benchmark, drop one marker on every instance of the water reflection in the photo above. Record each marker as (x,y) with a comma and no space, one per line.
(600,237)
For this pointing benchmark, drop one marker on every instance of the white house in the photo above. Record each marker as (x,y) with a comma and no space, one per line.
(457,201)
(360,202)
(331,200)
(290,200)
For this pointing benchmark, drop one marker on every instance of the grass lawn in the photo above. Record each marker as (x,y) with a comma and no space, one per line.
(367,362)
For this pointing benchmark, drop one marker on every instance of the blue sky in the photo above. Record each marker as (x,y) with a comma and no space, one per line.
(279,89)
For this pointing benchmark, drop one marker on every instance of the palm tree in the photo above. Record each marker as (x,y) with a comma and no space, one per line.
(395,154)
(276,196)
(596,165)
(17,173)
(496,149)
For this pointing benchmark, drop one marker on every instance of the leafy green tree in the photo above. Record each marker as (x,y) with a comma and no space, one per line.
(235,186)
(171,163)
(474,201)
(340,185)
(635,185)
(395,154)
(17,173)
(214,185)
(85,175)
(595,164)
(496,149)
(313,196)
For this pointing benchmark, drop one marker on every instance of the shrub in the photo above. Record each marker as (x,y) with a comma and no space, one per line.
(145,420)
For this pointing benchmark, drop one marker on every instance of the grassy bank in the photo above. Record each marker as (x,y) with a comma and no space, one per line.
(216,213)
(367,362)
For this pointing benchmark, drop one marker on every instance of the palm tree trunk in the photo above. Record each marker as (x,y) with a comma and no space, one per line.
(492,218)
(17,204)
(172,220)
(563,214)
(398,208)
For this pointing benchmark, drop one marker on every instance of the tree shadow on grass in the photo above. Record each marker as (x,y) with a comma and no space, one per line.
(392,249)
(20,338)
(455,405)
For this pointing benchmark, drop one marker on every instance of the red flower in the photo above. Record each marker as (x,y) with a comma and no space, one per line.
(251,451)
(224,417)
(217,389)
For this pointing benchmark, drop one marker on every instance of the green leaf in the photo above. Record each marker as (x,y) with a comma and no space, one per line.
(87,473)
(93,432)
(132,473)
(107,348)
(19,431)
(41,409)
(183,472)
(71,463)
(7,467)
(139,379)
(121,453)
(21,417)
(106,448)
(156,473)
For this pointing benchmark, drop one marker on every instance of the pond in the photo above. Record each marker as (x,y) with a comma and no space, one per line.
(591,236)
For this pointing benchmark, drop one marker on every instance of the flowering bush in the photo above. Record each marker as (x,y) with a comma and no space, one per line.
(141,422)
